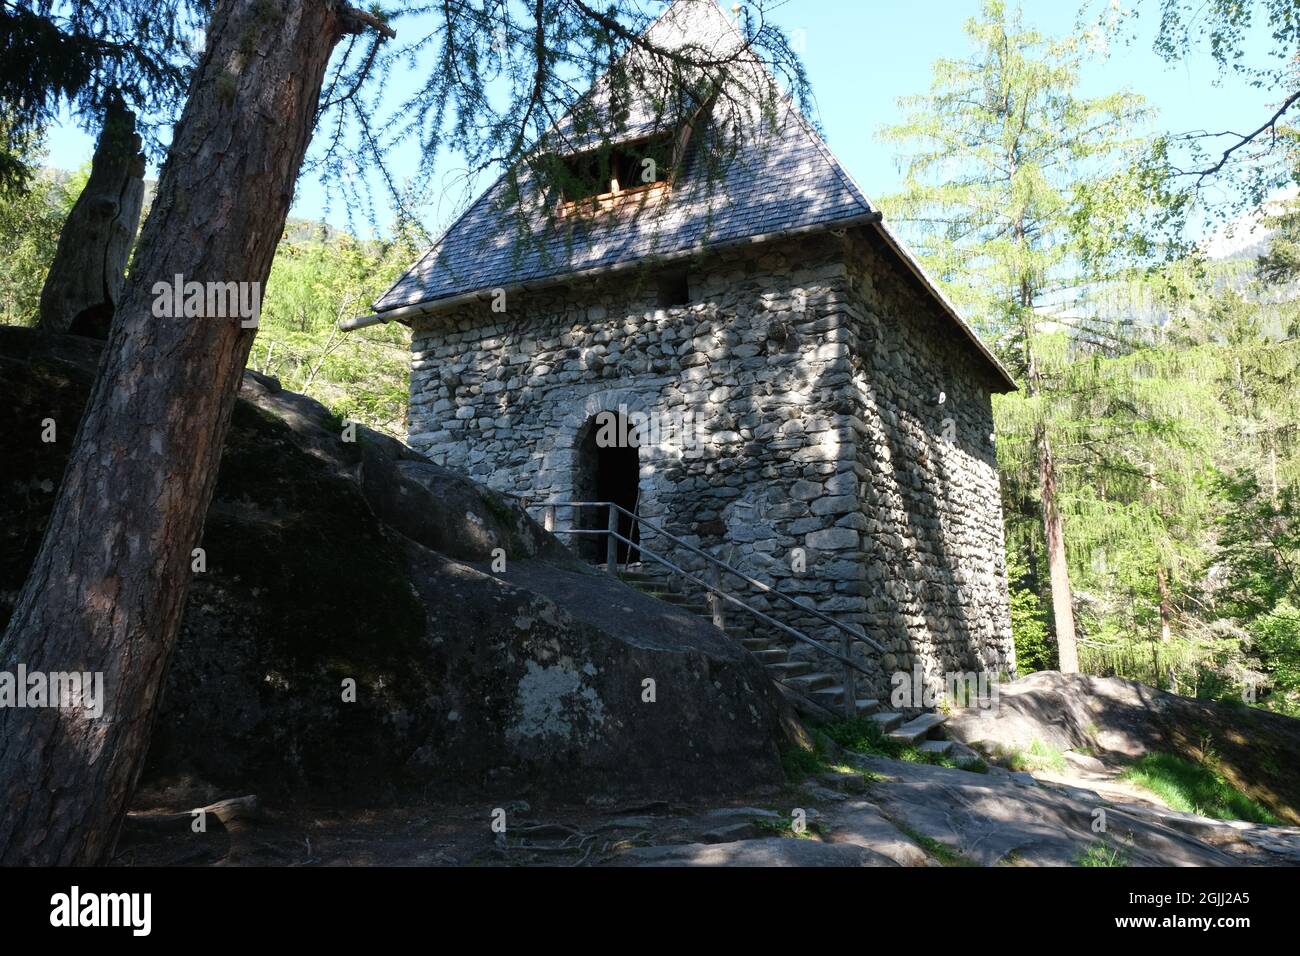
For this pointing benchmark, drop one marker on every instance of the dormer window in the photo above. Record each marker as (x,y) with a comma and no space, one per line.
(636,166)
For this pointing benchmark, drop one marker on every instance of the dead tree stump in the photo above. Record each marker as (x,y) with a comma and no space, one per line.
(89,269)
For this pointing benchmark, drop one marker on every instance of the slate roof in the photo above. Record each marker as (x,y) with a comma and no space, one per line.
(782,177)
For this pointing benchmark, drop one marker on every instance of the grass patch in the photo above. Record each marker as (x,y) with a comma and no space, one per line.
(1101,854)
(868,775)
(940,851)
(1039,756)
(864,736)
(1199,788)
(799,763)
(780,828)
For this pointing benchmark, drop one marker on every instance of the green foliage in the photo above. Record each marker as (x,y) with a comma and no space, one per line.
(30,221)
(1038,756)
(1014,185)
(940,851)
(319,277)
(1035,651)
(1101,854)
(1277,641)
(1281,262)
(83,54)
(1195,788)
(799,762)
(779,828)
(1258,546)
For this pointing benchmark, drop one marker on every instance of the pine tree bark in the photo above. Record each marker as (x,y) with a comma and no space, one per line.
(1058,571)
(1166,614)
(87,276)
(108,585)
(1067,650)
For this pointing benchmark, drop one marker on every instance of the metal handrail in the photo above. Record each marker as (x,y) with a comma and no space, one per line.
(765,618)
(718,562)
(714,589)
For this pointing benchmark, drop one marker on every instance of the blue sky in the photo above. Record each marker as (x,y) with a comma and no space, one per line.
(861,56)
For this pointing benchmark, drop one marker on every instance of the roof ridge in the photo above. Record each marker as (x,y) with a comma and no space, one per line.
(820,144)
(779,180)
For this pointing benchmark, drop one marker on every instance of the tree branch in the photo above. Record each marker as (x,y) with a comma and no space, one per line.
(1203,174)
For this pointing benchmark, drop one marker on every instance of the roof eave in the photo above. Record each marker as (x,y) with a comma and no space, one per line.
(914,265)
(429,307)
(410,312)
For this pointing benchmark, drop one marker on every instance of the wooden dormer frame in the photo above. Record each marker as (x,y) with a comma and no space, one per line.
(647,192)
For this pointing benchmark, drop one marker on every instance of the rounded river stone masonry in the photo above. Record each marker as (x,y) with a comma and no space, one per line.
(819,415)
(817,420)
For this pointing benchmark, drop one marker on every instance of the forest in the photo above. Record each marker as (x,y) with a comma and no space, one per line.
(1164,374)
(1141,285)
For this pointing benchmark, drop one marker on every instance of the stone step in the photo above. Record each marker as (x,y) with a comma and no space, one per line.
(686,602)
(640,577)
(940,747)
(886,719)
(918,728)
(830,695)
(653,568)
(672,597)
(790,669)
(800,676)
(817,686)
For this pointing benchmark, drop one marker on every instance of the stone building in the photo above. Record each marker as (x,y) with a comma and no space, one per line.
(816,412)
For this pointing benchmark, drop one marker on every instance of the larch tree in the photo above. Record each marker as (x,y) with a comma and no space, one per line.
(107,589)
(1257,41)
(1019,193)
(82,56)
(108,586)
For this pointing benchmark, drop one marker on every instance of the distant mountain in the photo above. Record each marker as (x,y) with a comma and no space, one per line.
(1231,250)
(309,230)
(1247,237)
(295,230)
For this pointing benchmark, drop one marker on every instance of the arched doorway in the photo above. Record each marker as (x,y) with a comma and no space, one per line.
(608,468)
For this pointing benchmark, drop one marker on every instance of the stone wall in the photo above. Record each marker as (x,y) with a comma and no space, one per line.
(932,533)
(770,396)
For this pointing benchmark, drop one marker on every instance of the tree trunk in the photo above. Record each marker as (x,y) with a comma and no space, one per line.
(1273,489)
(1067,651)
(85,280)
(108,586)
(1162,582)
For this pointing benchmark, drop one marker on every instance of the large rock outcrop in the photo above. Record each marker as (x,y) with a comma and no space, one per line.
(1119,719)
(333,563)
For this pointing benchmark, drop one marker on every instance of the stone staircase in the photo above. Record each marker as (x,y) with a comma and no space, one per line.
(811,690)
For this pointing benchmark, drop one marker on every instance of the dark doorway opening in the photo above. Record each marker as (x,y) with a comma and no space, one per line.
(609,469)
